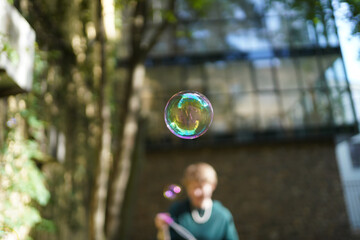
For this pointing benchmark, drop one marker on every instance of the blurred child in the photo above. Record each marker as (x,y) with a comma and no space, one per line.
(203,217)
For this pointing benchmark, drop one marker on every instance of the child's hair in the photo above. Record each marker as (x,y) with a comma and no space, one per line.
(200,172)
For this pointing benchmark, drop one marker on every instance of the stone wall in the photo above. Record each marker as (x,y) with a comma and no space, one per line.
(274,190)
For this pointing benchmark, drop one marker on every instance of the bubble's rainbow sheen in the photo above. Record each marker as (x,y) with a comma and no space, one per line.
(188,114)
(172,191)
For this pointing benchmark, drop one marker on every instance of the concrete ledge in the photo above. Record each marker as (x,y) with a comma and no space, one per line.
(19,38)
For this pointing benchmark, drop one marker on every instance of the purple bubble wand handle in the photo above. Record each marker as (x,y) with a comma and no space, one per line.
(178,228)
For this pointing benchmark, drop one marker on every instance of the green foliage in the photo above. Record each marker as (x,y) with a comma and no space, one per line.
(317,10)
(170,16)
(22,184)
(6,48)
(200,6)
(46,226)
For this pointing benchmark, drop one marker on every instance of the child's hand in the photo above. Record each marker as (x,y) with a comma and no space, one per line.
(160,222)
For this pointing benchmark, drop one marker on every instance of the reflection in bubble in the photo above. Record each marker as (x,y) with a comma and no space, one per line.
(172,191)
(188,114)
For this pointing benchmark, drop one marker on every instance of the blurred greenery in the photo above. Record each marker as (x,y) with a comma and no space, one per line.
(354,14)
(5,47)
(21,181)
(71,86)
(320,11)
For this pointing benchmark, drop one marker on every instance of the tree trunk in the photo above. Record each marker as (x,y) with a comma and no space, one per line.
(128,140)
(123,165)
(102,180)
(137,161)
(99,197)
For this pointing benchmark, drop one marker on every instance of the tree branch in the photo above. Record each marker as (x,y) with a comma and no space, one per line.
(155,37)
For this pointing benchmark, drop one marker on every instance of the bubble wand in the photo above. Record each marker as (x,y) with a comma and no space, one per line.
(178,228)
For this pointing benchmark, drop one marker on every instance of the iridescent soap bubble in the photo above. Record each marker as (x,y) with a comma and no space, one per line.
(188,114)
(11,122)
(172,191)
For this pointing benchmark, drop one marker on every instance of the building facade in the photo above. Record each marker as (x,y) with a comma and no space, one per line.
(281,100)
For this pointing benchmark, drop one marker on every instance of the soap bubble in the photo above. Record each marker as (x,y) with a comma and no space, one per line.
(188,114)
(172,191)
(11,122)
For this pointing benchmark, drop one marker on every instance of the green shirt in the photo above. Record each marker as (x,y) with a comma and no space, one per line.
(220,225)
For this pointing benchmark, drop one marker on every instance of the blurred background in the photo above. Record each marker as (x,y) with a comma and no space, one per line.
(84,149)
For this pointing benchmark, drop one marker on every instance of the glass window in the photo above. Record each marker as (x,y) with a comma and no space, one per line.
(322,41)
(310,71)
(163,45)
(203,36)
(256,39)
(171,82)
(308,102)
(222,113)
(337,105)
(294,109)
(286,74)
(240,38)
(355,154)
(332,34)
(330,77)
(269,110)
(217,83)
(196,77)
(347,107)
(276,26)
(238,77)
(339,72)
(156,125)
(244,110)
(334,73)
(298,34)
(327,37)
(263,74)
(321,111)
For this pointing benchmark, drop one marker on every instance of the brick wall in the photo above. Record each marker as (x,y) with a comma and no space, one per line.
(274,190)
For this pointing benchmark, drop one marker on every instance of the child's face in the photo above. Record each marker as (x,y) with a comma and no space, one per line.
(199,192)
